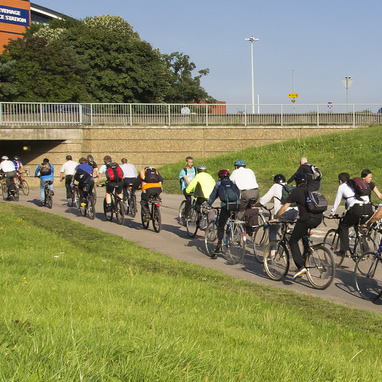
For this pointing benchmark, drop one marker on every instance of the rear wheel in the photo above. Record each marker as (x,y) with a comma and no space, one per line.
(236,243)
(108,212)
(24,187)
(157,220)
(83,208)
(320,267)
(132,205)
(91,208)
(368,276)
(16,194)
(48,198)
(4,189)
(119,211)
(192,223)
(145,223)
(211,238)
(260,241)
(332,240)
(76,196)
(276,260)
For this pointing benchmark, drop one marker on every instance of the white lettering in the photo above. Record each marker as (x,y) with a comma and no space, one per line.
(16,19)
(10,11)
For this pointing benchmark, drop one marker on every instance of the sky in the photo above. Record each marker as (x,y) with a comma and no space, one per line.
(320,42)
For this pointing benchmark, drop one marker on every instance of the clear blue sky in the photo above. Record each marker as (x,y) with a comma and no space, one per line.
(322,41)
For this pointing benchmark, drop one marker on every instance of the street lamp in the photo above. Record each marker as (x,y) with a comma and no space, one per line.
(347,81)
(252,40)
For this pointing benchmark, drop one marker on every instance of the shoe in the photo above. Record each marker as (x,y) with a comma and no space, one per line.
(108,208)
(42,203)
(299,273)
(340,253)
(217,251)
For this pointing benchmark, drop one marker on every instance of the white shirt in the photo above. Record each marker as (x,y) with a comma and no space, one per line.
(7,166)
(274,192)
(69,167)
(102,169)
(244,178)
(347,193)
(129,170)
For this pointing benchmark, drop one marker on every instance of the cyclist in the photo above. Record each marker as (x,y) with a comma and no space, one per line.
(94,166)
(185,176)
(218,191)
(306,168)
(46,171)
(66,173)
(18,165)
(114,179)
(83,175)
(129,174)
(9,170)
(276,192)
(305,221)
(245,179)
(151,183)
(201,186)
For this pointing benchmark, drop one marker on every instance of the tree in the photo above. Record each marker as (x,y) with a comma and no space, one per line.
(8,89)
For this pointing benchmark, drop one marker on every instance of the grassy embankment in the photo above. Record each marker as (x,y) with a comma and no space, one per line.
(349,151)
(78,304)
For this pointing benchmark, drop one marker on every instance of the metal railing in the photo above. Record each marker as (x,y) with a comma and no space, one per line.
(95,114)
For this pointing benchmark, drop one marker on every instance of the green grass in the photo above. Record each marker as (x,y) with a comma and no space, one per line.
(350,151)
(78,304)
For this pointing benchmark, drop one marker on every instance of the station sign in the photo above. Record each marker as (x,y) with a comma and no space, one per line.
(15,16)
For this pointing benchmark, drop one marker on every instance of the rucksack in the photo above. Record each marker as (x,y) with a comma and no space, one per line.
(113,172)
(285,192)
(82,176)
(45,169)
(229,194)
(316,203)
(316,173)
(359,186)
(151,175)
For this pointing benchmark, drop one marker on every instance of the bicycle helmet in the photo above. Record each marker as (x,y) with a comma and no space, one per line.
(300,177)
(201,168)
(16,158)
(223,174)
(4,157)
(239,163)
(279,178)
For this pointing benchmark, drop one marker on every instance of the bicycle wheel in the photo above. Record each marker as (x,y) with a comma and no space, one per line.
(236,243)
(16,194)
(5,191)
(83,208)
(132,206)
(260,241)
(76,195)
(363,245)
(145,223)
(109,213)
(48,198)
(24,187)
(91,208)
(332,240)
(211,238)
(182,213)
(119,211)
(94,195)
(368,276)
(192,223)
(320,267)
(276,260)
(157,220)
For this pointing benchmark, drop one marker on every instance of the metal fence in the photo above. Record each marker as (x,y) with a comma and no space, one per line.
(321,115)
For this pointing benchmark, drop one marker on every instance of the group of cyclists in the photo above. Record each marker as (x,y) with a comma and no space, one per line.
(11,170)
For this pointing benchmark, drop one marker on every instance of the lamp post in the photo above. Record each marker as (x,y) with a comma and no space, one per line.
(252,40)
(347,81)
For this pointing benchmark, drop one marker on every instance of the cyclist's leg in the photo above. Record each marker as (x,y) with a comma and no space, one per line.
(300,230)
(69,191)
(145,196)
(42,191)
(188,198)
(224,215)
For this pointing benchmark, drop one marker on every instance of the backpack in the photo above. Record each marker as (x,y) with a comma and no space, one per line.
(81,176)
(151,175)
(185,171)
(229,194)
(113,172)
(360,187)
(316,173)
(316,203)
(286,190)
(45,169)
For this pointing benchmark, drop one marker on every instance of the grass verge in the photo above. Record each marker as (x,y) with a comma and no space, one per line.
(78,304)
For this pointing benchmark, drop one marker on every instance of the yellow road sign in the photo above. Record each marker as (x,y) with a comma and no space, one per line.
(293,95)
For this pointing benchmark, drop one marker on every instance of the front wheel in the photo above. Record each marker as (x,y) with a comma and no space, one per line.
(156,218)
(236,240)
(363,245)
(320,267)
(260,241)
(24,187)
(182,213)
(192,223)
(368,276)
(276,260)
(332,240)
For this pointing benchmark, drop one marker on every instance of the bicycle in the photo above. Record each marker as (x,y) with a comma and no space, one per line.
(360,241)
(130,201)
(14,192)
(116,209)
(367,274)
(88,207)
(319,261)
(154,213)
(192,222)
(74,201)
(182,213)
(234,239)
(22,184)
(48,194)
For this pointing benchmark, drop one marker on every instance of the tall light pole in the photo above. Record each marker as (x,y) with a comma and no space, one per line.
(347,81)
(252,40)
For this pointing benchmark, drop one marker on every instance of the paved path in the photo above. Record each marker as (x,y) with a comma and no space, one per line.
(173,241)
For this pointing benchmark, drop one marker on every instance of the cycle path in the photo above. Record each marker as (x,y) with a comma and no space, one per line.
(173,241)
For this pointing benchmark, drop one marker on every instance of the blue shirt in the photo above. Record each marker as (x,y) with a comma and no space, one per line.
(190,174)
(50,176)
(86,167)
